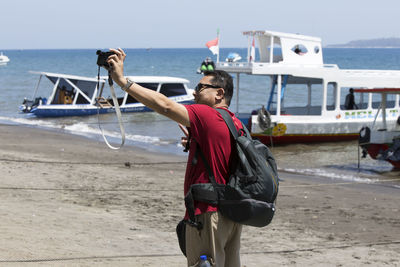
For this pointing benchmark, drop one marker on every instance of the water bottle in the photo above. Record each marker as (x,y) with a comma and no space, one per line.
(204,262)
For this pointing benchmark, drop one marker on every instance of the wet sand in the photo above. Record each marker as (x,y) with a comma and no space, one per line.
(70,201)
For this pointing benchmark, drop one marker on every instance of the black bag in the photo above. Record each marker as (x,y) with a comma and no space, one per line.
(181,233)
(250,193)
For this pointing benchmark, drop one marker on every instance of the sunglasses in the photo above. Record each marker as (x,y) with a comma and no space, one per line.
(201,86)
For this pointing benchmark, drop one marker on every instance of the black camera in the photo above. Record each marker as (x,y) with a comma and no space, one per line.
(102,58)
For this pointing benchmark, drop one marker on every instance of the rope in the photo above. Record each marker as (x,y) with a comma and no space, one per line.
(167,190)
(334,184)
(389,242)
(88,123)
(127,164)
(88,189)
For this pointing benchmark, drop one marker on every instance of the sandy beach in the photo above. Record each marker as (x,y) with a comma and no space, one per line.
(69,201)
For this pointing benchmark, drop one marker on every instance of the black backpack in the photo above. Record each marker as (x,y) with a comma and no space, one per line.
(250,192)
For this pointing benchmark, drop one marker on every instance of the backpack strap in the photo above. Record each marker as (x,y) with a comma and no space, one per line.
(229,121)
(235,133)
(201,192)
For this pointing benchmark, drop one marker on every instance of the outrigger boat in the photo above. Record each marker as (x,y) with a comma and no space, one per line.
(381,139)
(306,100)
(78,96)
(3,59)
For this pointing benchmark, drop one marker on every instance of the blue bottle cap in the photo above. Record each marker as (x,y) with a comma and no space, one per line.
(203,257)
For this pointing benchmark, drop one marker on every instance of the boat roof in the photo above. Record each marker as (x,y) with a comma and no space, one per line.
(378,90)
(139,79)
(66,76)
(157,79)
(282,34)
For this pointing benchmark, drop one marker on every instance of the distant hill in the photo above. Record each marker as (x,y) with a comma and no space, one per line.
(372,43)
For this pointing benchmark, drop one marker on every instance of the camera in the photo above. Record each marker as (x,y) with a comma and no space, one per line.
(102,58)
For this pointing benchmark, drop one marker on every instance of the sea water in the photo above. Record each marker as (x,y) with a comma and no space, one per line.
(159,134)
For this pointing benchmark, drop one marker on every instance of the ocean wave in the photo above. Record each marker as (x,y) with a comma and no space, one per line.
(351,177)
(84,129)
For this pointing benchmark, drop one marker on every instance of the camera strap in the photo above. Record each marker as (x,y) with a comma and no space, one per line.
(117,111)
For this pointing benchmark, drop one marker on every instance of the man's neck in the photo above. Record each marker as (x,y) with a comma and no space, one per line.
(221,105)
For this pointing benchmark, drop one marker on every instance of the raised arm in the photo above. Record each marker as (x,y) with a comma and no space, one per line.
(154,100)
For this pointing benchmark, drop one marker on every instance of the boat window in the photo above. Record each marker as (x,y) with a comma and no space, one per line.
(151,86)
(298,101)
(316,49)
(299,49)
(81,99)
(377,99)
(331,96)
(87,87)
(390,100)
(64,94)
(173,89)
(357,101)
(265,50)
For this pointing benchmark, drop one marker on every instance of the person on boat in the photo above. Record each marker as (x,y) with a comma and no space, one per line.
(219,237)
(349,103)
(207,65)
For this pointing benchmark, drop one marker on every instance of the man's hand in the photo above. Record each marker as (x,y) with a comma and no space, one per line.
(117,63)
(184,139)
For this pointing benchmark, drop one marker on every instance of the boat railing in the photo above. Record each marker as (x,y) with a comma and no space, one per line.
(378,73)
(251,65)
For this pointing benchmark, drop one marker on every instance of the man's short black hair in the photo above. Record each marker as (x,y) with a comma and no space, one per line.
(224,80)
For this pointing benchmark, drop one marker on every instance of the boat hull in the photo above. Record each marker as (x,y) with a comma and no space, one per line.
(330,127)
(375,151)
(44,111)
(304,138)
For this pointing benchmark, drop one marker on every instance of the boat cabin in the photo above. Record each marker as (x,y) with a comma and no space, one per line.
(307,100)
(300,82)
(286,48)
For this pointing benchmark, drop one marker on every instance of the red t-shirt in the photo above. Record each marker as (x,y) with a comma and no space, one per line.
(209,130)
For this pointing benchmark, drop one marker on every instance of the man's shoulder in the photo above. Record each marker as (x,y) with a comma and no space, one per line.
(199,108)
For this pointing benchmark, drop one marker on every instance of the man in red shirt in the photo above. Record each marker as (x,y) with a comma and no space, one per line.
(219,237)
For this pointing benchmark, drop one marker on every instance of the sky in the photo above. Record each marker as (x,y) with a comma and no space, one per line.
(57,24)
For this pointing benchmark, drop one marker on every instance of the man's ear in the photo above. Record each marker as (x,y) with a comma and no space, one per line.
(220,93)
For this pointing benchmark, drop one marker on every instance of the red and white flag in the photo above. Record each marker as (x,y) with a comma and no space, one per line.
(213,46)
(252,52)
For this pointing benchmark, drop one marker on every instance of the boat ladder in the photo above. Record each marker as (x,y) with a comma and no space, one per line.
(273,90)
(103,103)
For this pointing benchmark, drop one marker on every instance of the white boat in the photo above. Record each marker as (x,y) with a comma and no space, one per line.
(381,139)
(3,59)
(233,57)
(294,63)
(78,96)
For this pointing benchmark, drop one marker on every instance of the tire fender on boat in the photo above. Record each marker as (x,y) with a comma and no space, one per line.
(364,135)
(264,119)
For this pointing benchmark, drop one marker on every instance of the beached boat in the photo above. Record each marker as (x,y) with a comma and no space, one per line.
(3,59)
(306,101)
(78,96)
(381,139)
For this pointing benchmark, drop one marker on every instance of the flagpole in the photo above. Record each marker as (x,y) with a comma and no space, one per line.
(248,48)
(218,45)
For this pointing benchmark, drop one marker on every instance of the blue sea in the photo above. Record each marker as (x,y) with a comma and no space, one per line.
(158,134)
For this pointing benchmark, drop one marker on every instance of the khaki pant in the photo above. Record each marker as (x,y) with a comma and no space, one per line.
(219,239)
